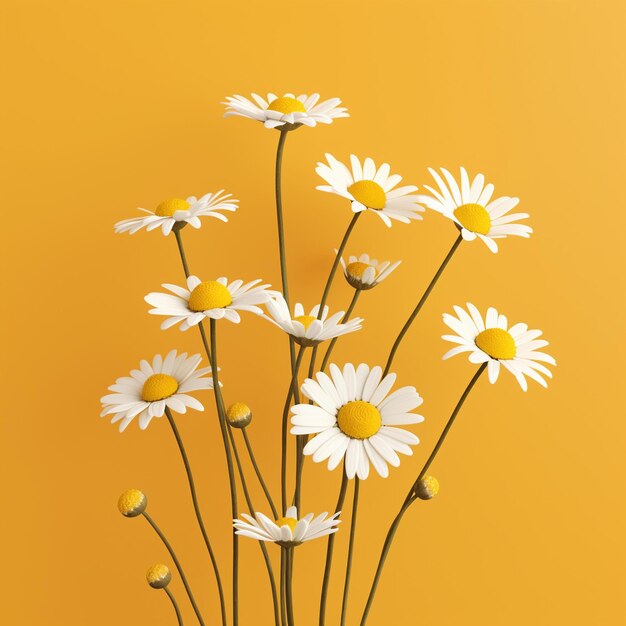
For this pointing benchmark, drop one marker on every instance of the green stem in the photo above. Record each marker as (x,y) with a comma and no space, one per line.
(411,497)
(170,595)
(279,214)
(179,567)
(346,585)
(420,304)
(266,557)
(181,249)
(229,461)
(196,508)
(258,473)
(329,550)
(289,585)
(345,318)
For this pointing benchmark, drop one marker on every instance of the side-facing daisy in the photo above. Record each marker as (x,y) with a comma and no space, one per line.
(155,386)
(470,207)
(365,273)
(286,112)
(288,531)
(215,299)
(307,330)
(178,211)
(370,188)
(353,417)
(491,341)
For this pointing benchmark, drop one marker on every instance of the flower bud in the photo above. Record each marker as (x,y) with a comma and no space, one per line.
(427,488)
(239,415)
(159,576)
(132,503)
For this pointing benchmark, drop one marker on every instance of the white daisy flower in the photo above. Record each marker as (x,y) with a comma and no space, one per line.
(362,272)
(491,341)
(371,188)
(288,531)
(215,299)
(470,207)
(179,211)
(286,111)
(307,330)
(155,386)
(356,419)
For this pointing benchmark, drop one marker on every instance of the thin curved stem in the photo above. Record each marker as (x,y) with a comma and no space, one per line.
(420,304)
(329,550)
(289,585)
(346,585)
(279,214)
(346,317)
(196,508)
(283,587)
(229,462)
(411,497)
(170,595)
(181,249)
(179,567)
(266,491)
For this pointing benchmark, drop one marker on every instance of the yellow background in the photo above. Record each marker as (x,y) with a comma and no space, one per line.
(108,106)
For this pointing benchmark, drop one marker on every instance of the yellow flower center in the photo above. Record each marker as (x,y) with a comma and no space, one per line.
(473,217)
(356,269)
(158,387)
(209,295)
(287,521)
(497,343)
(130,501)
(157,573)
(359,419)
(169,207)
(305,320)
(369,193)
(286,104)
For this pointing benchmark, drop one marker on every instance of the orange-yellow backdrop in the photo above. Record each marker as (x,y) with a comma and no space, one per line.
(113,105)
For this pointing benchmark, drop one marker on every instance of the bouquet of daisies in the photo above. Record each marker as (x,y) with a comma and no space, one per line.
(352,417)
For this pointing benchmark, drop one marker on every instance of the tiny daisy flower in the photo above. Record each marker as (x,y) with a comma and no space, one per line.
(149,390)
(365,273)
(491,341)
(354,417)
(286,112)
(288,531)
(370,188)
(307,330)
(177,211)
(470,207)
(215,299)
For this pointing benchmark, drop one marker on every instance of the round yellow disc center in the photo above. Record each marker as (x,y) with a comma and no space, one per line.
(356,269)
(305,320)
(474,217)
(369,193)
(169,207)
(209,295)
(286,521)
(286,104)
(359,419)
(497,343)
(158,387)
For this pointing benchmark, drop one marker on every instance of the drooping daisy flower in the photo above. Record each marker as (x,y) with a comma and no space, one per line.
(371,188)
(365,273)
(155,386)
(471,208)
(179,211)
(491,341)
(307,330)
(286,111)
(356,419)
(288,531)
(215,299)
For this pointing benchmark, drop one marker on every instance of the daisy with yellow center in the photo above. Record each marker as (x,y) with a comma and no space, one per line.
(307,329)
(149,390)
(371,188)
(362,272)
(354,417)
(491,341)
(286,112)
(471,208)
(215,299)
(288,531)
(175,211)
